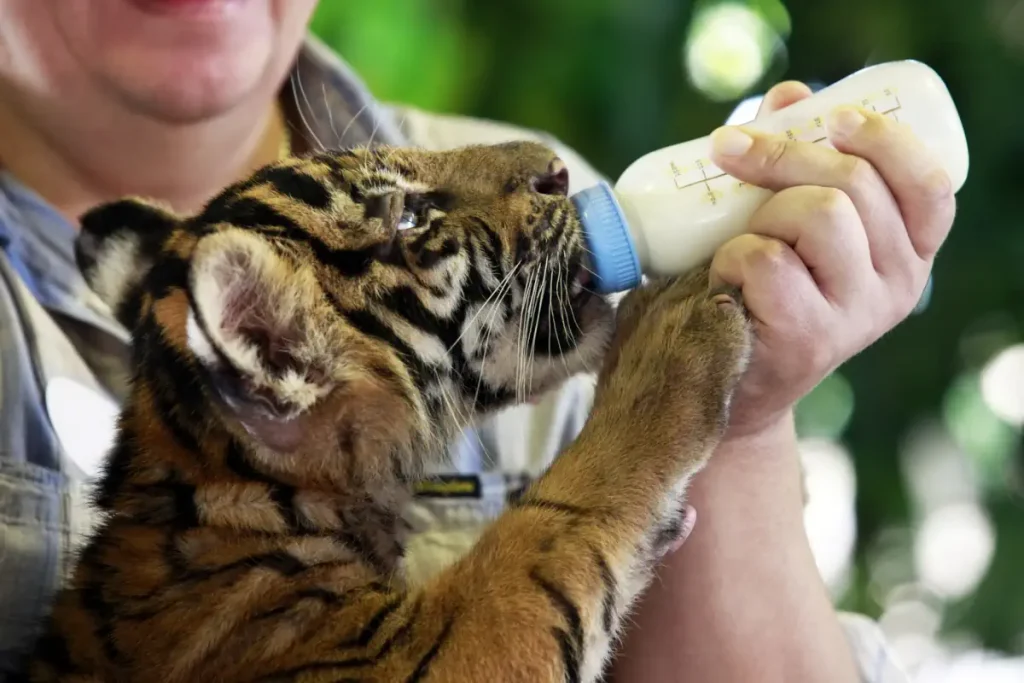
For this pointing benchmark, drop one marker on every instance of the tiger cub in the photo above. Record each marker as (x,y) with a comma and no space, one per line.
(302,347)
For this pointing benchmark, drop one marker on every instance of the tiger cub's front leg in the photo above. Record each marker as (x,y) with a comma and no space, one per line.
(542,595)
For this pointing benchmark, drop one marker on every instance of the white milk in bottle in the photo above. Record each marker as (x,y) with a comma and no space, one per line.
(671,209)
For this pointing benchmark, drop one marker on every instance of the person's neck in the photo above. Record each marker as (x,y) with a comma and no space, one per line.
(88,162)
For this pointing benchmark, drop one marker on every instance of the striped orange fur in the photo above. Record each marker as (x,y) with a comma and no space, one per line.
(303,347)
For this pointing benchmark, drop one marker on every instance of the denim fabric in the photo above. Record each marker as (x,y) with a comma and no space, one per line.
(43,516)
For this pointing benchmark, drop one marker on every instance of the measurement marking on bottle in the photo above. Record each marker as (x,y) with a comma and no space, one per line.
(707,184)
(704,172)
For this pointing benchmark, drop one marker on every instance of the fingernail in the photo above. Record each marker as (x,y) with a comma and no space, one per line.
(845,121)
(731,142)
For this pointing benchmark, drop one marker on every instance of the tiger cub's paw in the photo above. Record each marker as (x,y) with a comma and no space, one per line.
(681,347)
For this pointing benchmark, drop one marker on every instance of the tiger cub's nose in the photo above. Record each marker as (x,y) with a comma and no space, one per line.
(555,181)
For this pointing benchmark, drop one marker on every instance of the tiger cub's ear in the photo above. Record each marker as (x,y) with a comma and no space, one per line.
(260,328)
(117,246)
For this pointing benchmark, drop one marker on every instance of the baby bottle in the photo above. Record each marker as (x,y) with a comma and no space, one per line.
(672,208)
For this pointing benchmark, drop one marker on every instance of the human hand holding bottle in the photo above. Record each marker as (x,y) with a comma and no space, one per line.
(837,257)
(830,243)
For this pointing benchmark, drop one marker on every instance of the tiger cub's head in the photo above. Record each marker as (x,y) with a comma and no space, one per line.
(353,300)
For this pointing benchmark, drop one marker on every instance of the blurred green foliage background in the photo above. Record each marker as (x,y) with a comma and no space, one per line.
(612,78)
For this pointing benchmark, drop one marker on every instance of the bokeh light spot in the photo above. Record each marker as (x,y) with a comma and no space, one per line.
(953,549)
(729,48)
(1002,385)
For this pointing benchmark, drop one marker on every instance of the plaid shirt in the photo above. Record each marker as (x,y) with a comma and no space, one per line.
(52,329)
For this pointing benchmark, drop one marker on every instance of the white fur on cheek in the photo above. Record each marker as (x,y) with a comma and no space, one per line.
(198,343)
(116,270)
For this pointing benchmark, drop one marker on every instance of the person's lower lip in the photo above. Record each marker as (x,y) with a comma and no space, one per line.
(198,8)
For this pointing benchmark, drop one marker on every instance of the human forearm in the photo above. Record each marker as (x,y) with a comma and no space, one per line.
(743,599)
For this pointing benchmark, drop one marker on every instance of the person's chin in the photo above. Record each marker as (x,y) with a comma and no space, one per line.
(182,60)
(190,87)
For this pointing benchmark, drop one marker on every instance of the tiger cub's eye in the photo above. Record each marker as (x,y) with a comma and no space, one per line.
(408,220)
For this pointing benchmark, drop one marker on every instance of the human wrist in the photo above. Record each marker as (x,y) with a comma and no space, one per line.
(769,431)
(754,469)
(770,446)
